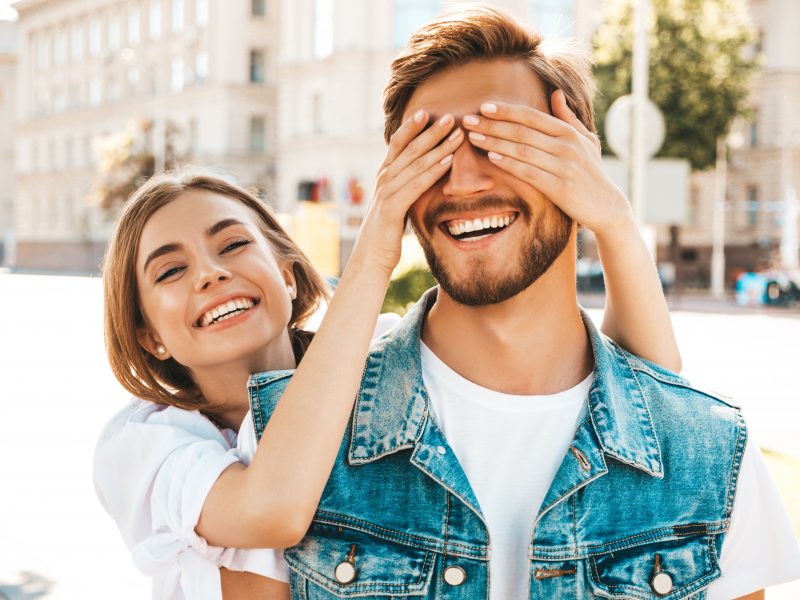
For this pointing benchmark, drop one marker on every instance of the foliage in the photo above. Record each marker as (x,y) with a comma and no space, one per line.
(126,161)
(701,65)
(406,289)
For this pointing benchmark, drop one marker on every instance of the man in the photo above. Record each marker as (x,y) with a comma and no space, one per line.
(500,446)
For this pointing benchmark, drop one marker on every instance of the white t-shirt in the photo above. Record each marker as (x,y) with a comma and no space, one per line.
(154,465)
(533,433)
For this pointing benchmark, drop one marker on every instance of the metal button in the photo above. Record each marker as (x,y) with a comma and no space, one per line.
(661,583)
(441,450)
(455,575)
(345,572)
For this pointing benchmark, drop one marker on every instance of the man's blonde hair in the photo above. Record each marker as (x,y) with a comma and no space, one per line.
(479,32)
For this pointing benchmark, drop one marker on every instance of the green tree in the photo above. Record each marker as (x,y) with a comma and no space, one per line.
(701,65)
(405,289)
(126,161)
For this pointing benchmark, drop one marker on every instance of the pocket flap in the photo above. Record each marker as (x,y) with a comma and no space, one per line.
(381,567)
(685,566)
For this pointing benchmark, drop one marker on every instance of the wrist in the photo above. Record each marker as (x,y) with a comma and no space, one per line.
(619,231)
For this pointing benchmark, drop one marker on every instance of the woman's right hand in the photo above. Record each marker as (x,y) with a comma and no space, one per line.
(416,159)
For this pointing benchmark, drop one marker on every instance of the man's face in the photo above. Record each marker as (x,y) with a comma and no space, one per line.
(483,267)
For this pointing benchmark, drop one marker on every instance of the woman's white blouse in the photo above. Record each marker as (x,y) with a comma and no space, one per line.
(153,468)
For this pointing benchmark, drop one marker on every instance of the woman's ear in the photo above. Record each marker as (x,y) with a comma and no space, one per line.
(287,271)
(152,344)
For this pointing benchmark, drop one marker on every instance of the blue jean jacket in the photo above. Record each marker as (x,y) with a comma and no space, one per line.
(637,509)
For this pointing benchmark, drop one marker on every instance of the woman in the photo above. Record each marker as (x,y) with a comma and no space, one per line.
(202,288)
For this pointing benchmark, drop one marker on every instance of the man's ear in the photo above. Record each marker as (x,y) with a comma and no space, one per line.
(152,344)
(287,271)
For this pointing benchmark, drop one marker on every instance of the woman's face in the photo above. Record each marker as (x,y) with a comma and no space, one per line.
(211,290)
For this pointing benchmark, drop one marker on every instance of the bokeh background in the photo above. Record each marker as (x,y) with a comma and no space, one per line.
(285,96)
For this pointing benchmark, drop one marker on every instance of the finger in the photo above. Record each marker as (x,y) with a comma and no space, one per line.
(407,131)
(521,152)
(514,132)
(545,182)
(425,171)
(562,110)
(525,115)
(423,143)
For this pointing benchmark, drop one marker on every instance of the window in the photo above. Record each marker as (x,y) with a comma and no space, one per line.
(133,81)
(323,28)
(114,33)
(258,142)
(114,88)
(201,12)
(94,38)
(258,8)
(409,15)
(95,91)
(69,158)
(201,68)
(177,15)
(154,19)
(76,43)
(752,205)
(176,78)
(134,19)
(257,67)
(754,132)
(554,18)
(75,96)
(60,48)
(43,53)
(59,100)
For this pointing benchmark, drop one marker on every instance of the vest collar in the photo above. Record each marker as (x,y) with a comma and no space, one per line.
(392,405)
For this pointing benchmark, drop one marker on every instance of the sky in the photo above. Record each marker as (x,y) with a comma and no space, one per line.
(6,12)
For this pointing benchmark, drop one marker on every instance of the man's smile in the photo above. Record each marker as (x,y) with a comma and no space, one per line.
(479,227)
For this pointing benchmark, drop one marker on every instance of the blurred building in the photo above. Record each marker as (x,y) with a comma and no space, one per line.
(8,73)
(332,70)
(88,68)
(764,158)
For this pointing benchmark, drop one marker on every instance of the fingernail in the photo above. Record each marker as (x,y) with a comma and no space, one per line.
(495,156)
(488,108)
(444,120)
(446,159)
(471,120)
(454,135)
(419,115)
(478,137)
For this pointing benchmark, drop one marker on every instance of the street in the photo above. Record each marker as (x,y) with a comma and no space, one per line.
(57,392)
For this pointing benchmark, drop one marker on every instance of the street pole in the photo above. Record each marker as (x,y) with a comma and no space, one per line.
(789,233)
(718,221)
(639,92)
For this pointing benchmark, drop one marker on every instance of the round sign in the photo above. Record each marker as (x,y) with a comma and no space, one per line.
(618,127)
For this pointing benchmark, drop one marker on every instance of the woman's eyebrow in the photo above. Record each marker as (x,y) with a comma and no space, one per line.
(161,251)
(220,225)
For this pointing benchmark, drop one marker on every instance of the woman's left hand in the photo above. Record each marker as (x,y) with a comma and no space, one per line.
(556,154)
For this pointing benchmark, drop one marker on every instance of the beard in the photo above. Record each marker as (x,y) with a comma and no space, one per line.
(548,235)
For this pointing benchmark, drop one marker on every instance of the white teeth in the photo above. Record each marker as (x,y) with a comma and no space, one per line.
(477,225)
(493,222)
(507,221)
(225,311)
(467,226)
(487,222)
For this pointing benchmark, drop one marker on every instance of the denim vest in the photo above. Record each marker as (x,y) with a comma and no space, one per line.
(637,509)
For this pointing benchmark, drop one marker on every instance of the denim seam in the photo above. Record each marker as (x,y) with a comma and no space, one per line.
(741,442)
(255,406)
(389,535)
(657,535)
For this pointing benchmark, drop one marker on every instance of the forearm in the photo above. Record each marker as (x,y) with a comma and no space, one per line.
(271,502)
(636,312)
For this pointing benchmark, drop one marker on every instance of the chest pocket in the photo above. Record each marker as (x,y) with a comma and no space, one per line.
(374,568)
(666,570)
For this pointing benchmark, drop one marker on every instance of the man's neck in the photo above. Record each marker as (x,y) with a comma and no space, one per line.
(534,343)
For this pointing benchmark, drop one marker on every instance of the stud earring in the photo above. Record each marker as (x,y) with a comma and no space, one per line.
(290,289)
(161,349)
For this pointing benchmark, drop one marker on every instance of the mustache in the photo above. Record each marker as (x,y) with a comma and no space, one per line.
(490,202)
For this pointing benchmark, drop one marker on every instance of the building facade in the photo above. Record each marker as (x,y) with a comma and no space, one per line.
(88,68)
(8,74)
(331,80)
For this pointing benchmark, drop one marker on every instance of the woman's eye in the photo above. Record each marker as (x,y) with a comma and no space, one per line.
(168,273)
(234,245)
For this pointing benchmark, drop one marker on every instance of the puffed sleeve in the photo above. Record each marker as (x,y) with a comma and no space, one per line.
(154,466)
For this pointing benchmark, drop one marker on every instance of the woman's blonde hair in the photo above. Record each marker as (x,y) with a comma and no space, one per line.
(167,381)
(479,32)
